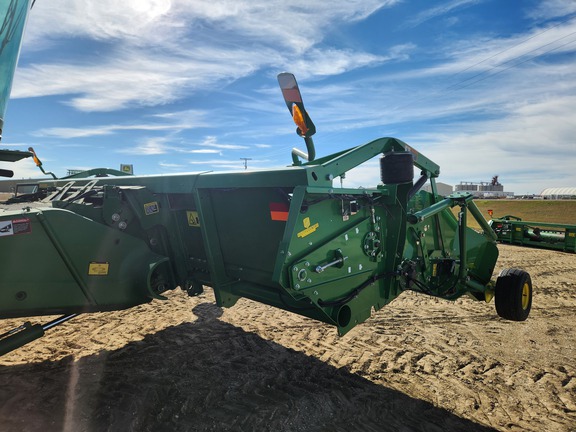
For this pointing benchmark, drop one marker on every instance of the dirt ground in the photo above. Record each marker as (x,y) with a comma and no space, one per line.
(418,364)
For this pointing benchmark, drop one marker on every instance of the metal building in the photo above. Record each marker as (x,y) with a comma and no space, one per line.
(559,193)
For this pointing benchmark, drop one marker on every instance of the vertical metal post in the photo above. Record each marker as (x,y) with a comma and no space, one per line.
(462,222)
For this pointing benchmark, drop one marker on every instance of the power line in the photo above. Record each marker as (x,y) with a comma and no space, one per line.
(245,162)
(512,59)
(452,88)
(514,46)
(514,65)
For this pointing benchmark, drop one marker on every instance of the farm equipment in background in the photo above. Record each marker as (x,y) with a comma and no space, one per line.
(30,191)
(11,156)
(285,237)
(513,230)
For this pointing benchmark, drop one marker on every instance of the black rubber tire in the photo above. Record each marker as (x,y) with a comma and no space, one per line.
(513,294)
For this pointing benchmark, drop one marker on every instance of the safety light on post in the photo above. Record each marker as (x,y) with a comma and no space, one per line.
(306,128)
(35,157)
(38,163)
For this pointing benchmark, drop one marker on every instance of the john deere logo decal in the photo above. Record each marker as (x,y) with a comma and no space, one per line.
(308,228)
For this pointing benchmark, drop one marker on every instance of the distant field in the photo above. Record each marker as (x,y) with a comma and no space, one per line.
(551,211)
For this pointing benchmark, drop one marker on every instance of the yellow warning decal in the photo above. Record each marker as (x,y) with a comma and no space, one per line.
(98,268)
(308,228)
(193,219)
(571,234)
(151,208)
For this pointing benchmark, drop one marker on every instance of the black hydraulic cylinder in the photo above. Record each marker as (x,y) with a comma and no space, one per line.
(27,333)
(21,338)
(417,186)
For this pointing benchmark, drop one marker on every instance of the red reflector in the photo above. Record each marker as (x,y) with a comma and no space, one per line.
(279,211)
(292,95)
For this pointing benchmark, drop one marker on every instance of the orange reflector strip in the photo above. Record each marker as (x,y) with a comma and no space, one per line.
(279,211)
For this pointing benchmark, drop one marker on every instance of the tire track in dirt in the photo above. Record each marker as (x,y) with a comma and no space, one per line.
(471,351)
(213,376)
(418,364)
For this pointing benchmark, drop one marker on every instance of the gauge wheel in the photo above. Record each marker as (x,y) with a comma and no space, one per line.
(513,294)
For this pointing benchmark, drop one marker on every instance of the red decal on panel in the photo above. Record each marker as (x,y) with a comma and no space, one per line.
(279,211)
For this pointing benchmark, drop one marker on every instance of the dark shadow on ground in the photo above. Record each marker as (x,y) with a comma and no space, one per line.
(207,376)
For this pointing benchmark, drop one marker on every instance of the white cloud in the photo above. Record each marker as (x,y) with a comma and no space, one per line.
(85,132)
(533,145)
(552,9)
(24,169)
(366,175)
(170,165)
(103,19)
(151,81)
(519,124)
(332,62)
(139,78)
(439,10)
(203,151)
(153,52)
(212,141)
(213,161)
(170,144)
(150,146)
(491,55)
(158,21)
(172,121)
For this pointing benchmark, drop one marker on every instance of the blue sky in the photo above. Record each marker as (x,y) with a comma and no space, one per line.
(481,87)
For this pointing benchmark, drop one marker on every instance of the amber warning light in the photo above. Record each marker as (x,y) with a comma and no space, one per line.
(36,160)
(299,119)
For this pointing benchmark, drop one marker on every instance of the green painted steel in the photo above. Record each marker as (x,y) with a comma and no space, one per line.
(286,237)
(13,155)
(513,230)
(13,14)
(56,261)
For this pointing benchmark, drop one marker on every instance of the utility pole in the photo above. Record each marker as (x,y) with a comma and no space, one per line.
(245,162)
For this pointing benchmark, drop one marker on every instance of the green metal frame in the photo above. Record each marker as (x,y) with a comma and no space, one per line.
(284,237)
(513,230)
(336,255)
(13,155)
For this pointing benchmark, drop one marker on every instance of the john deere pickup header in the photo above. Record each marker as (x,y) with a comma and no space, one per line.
(286,237)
